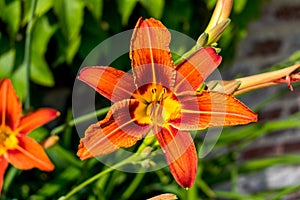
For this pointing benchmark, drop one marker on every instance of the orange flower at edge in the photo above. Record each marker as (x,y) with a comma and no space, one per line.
(161,97)
(16,147)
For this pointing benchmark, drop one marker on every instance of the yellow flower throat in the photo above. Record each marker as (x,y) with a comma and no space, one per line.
(8,139)
(158,105)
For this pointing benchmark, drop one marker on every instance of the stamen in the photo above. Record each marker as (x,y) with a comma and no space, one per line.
(153,90)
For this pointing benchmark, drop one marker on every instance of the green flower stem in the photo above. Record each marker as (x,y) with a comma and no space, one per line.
(11,173)
(133,186)
(133,158)
(80,119)
(205,188)
(286,191)
(187,54)
(130,160)
(27,56)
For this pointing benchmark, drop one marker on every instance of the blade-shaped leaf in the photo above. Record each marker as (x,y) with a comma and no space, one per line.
(125,8)
(42,7)
(70,14)
(40,72)
(95,7)
(41,35)
(7,61)
(154,7)
(12,9)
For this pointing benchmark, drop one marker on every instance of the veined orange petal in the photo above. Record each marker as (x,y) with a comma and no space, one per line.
(196,68)
(150,53)
(117,130)
(113,84)
(28,155)
(180,153)
(3,166)
(10,106)
(36,119)
(209,108)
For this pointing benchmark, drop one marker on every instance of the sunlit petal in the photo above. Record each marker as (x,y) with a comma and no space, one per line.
(113,84)
(120,128)
(10,106)
(3,166)
(208,109)
(196,68)
(28,155)
(150,54)
(180,153)
(36,119)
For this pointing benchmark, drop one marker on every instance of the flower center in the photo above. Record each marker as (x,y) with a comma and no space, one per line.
(162,106)
(155,109)
(8,139)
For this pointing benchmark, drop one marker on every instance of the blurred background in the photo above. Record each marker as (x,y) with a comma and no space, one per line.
(257,161)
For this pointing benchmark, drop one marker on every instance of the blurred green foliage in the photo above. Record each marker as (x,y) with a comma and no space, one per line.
(64,33)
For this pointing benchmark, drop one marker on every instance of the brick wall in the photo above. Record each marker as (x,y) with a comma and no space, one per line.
(270,39)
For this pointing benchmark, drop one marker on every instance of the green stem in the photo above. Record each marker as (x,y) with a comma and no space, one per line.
(9,177)
(286,191)
(97,176)
(186,54)
(80,119)
(132,187)
(27,56)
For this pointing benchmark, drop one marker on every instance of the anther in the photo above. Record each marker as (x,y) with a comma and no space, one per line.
(164,90)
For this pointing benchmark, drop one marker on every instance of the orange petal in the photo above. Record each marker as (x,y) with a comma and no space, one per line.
(10,106)
(3,166)
(113,84)
(117,130)
(28,155)
(36,119)
(208,109)
(150,53)
(180,153)
(196,68)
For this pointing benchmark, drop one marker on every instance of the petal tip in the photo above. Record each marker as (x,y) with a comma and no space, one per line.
(82,152)
(217,59)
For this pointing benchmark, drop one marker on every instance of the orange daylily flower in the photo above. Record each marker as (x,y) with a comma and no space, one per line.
(161,97)
(16,147)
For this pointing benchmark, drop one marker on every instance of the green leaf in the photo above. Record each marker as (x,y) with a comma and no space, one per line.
(258,164)
(95,7)
(238,6)
(42,7)
(41,35)
(2,7)
(40,72)
(70,14)
(63,157)
(125,8)
(210,4)
(62,180)
(72,49)
(154,7)
(12,16)
(39,134)
(7,61)
(19,81)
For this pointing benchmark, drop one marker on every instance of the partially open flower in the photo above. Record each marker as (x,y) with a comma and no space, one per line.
(218,22)
(238,86)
